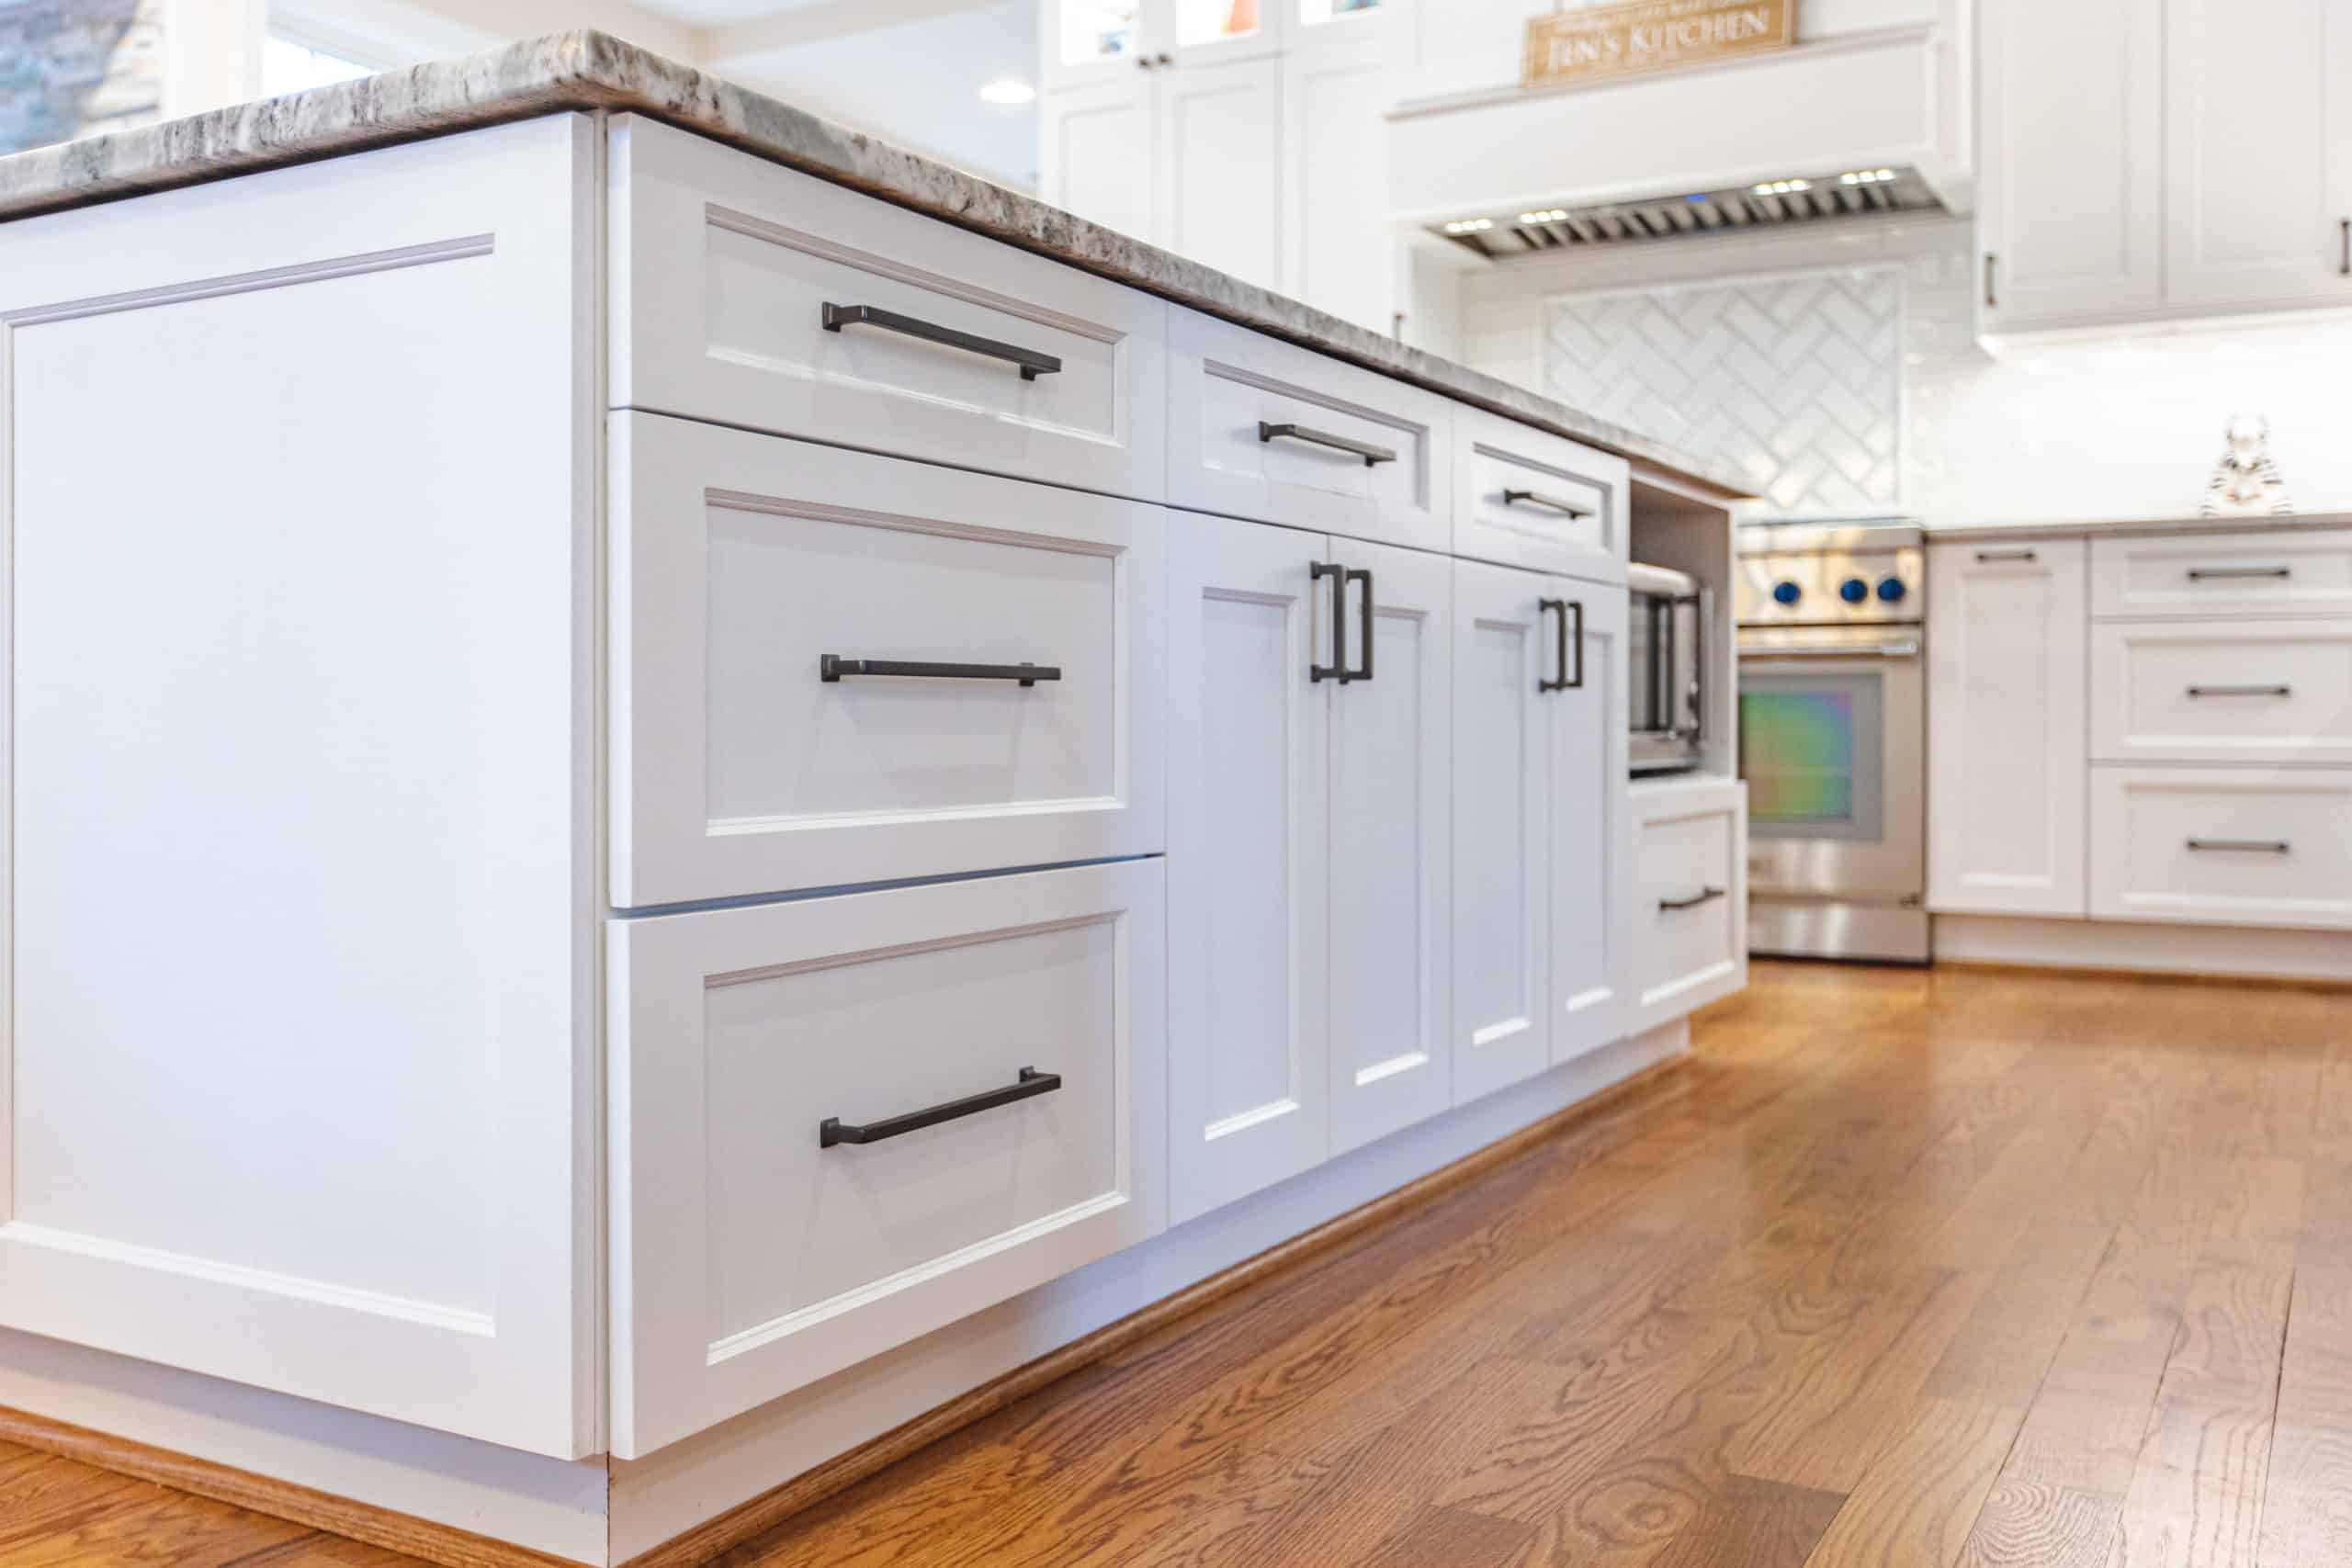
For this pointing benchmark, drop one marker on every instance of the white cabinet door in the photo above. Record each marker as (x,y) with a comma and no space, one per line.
(2258,151)
(1592,885)
(1219,198)
(1505,653)
(2070,203)
(1338,252)
(1248,846)
(2007,746)
(1392,846)
(1096,153)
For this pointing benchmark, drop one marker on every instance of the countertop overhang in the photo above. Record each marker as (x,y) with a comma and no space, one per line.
(2099,527)
(593,71)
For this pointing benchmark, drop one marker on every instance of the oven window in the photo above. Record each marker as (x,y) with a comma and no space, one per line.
(1812,748)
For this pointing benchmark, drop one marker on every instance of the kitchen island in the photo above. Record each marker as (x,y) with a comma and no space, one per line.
(682,791)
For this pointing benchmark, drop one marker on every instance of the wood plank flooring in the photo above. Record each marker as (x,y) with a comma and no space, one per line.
(1905,1271)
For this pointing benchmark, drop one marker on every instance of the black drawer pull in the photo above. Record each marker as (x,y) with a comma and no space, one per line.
(831,667)
(1371,455)
(1361,574)
(1987,558)
(1709,896)
(2200,573)
(834,1130)
(1338,668)
(2242,846)
(1032,363)
(2241,690)
(1571,635)
(1537,498)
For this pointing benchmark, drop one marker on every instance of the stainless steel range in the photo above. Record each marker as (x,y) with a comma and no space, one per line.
(1832,735)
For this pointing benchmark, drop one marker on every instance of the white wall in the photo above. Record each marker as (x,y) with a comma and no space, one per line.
(2120,426)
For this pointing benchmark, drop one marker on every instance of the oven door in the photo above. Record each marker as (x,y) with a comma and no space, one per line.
(1832,743)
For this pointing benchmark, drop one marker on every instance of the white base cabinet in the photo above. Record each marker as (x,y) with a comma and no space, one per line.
(1689,914)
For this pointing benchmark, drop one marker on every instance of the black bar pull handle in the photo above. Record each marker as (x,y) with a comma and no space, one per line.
(1537,498)
(1571,614)
(2201,573)
(1987,558)
(1362,574)
(1709,896)
(834,1130)
(1032,363)
(2242,846)
(2344,227)
(1338,668)
(2241,690)
(1373,456)
(831,667)
(1992,271)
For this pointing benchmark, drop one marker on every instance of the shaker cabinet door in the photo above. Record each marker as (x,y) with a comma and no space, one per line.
(1248,855)
(1591,868)
(2007,743)
(1506,650)
(1391,767)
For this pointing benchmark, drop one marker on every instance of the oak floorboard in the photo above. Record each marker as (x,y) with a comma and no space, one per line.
(1919,1496)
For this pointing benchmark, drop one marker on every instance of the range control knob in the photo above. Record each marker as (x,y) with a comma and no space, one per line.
(1891,589)
(1786,593)
(1853,591)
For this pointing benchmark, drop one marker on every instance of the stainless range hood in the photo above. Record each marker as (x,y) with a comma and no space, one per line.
(1846,196)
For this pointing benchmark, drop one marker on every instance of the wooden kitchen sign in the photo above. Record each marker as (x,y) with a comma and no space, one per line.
(1567,47)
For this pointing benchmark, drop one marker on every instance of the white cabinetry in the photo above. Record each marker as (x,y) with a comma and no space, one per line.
(2144,159)
(2006,747)
(1540,856)
(1260,153)
(1284,770)
(1688,922)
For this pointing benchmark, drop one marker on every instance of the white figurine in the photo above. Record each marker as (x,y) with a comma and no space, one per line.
(2246,481)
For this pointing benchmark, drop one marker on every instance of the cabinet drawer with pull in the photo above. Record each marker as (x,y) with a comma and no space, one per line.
(839,1123)
(830,668)
(2223,846)
(1530,499)
(2270,691)
(750,295)
(2274,573)
(1690,895)
(1263,430)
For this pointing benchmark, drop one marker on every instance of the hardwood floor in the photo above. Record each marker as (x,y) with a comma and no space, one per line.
(1906,1270)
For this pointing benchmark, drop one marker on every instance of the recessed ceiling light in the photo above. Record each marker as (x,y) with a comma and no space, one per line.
(1008,92)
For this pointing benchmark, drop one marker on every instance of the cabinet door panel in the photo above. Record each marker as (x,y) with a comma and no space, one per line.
(2007,749)
(1096,153)
(2072,186)
(1247,848)
(1339,254)
(2258,151)
(1391,851)
(1502,789)
(1591,897)
(1220,200)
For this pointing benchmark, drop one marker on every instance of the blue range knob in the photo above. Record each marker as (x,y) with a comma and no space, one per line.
(1786,593)
(1891,589)
(1853,591)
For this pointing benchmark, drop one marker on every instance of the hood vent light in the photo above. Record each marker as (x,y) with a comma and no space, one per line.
(1767,205)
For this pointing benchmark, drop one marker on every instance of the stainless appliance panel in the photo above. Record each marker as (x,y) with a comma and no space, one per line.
(1827,928)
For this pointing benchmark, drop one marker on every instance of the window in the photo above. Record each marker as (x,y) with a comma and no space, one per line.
(289,65)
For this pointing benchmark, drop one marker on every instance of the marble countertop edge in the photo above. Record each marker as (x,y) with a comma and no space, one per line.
(590,70)
(2094,527)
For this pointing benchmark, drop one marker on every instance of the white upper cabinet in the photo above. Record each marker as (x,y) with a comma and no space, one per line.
(1219,198)
(2258,151)
(2151,159)
(2071,127)
(2006,744)
(1095,152)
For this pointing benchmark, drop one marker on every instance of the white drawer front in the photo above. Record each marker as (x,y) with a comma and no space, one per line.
(1691,901)
(2232,846)
(2285,572)
(2222,691)
(1261,429)
(740,561)
(1530,499)
(723,266)
(751,1258)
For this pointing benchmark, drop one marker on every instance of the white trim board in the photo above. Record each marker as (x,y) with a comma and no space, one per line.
(2153,948)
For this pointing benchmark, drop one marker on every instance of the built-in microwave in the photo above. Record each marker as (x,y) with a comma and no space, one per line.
(1666,656)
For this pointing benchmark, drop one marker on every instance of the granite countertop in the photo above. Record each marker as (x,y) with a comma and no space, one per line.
(593,71)
(2096,527)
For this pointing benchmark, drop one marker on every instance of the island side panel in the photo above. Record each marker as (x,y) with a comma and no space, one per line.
(299,488)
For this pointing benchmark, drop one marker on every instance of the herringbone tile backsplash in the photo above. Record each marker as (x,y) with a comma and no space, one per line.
(1794,381)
